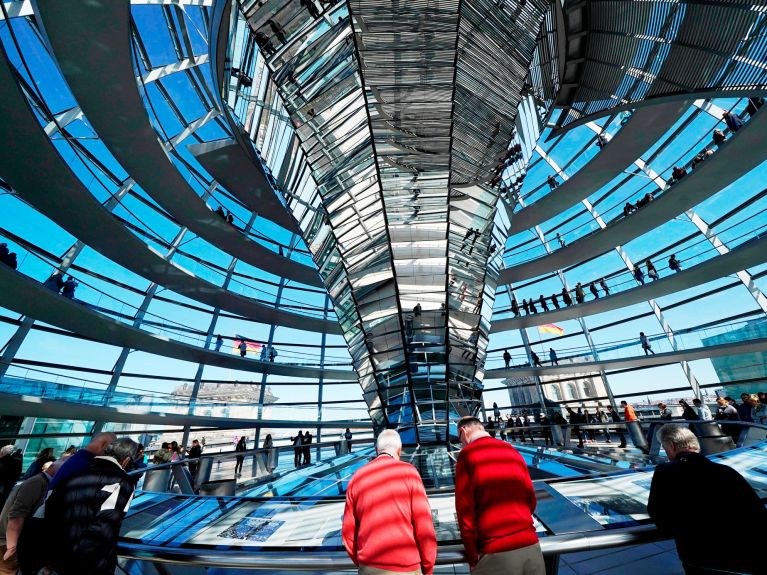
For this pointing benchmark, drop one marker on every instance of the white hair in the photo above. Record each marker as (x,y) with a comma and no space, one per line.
(6,449)
(388,441)
(679,436)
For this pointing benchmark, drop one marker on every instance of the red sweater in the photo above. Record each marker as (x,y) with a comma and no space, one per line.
(387,519)
(494,498)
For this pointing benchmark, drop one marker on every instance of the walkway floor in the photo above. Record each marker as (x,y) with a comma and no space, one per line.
(27,296)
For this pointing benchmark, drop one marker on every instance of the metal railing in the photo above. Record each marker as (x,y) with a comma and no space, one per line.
(449,554)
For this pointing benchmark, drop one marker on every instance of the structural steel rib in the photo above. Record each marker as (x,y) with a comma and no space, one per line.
(749,254)
(741,153)
(39,174)
(245,179)
(92,43)
(733,348)
(28,297)
(644,129)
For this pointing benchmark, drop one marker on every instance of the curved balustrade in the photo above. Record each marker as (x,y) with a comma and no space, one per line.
(573,514)
(34,406)
(92,43)
(31,298)
(747,254)
(51,187)
(735,157)
(325,562)
(688,345)
(136,400)
(35,266)
(642,131)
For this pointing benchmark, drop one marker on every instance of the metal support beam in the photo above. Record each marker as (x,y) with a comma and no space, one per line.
(694,385)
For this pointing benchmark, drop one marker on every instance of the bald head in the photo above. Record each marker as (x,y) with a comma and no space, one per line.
(100,441)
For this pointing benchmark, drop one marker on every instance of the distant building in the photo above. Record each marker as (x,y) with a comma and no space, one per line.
(236,399)
(578,390)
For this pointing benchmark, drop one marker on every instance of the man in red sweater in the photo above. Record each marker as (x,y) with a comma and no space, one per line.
(387,524)
(494,501)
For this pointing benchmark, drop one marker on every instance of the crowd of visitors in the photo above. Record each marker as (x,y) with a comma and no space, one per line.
(733,122)
(75,504)
(495,499)
(527,426)
(536,426)
(535,360)
(578,294)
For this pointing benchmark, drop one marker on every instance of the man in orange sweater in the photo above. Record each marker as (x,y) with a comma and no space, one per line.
(628,412)
(494,501)
(387,524)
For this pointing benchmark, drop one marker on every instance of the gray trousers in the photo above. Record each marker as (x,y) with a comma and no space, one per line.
(365,570)
(525,561)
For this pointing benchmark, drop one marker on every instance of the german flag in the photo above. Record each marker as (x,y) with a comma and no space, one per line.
(551,328)
(250,345)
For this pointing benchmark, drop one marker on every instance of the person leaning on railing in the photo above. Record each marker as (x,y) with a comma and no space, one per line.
(706,542)
(495,517)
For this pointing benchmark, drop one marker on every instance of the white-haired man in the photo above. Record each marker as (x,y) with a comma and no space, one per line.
(677,505)
(387,525)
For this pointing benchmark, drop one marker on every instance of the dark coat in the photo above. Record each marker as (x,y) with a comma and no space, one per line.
(10,471)
(83,516)
(682,507)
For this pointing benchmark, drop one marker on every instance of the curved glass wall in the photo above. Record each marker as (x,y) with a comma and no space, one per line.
(199,97)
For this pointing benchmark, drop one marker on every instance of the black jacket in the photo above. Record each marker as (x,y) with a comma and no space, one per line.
(683,504)
(83,516)
(10,471)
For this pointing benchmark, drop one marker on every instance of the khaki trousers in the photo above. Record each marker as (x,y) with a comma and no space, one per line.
(525,561)
(9,567)
(365,570)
